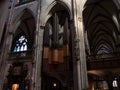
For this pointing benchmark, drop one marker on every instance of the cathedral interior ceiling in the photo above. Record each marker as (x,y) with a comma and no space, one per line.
(100,26)
(102,30)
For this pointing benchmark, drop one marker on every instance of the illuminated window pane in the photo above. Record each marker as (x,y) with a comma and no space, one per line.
(21,44)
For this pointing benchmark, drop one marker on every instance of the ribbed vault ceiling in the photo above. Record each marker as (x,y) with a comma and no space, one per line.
(99,24)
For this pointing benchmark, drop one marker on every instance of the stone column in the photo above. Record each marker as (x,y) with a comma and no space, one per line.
(3,16)
(80,46)
(116,20)
(38,59)
(75,75)
(6,47)
(38,51)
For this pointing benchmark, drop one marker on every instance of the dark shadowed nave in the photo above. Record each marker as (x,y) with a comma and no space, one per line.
(59,45)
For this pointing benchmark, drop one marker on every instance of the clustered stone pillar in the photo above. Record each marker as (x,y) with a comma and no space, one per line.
(82,82)
(38,60)
(38,52)
(117,22)
(6,47)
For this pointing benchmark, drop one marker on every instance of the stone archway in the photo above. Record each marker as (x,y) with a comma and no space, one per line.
(101,34)
(57,46)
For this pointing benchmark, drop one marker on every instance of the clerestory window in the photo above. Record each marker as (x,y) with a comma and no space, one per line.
(21,44)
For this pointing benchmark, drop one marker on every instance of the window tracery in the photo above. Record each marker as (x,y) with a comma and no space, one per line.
(21,44)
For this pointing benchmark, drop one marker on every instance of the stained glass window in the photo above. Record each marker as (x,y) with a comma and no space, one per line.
(21,44)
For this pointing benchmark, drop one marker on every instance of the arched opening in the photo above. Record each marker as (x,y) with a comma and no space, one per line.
(101,35)
(57,52)
(21,55)
(17,78)
(24,34)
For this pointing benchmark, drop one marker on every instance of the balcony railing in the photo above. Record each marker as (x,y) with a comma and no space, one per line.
(103,61)
(24,55)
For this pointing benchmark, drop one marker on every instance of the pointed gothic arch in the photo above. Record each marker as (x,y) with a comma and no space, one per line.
(57,50)
(21,54)
(101,24)
(47,13)
(99,19)
(57,28)
(24,26)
